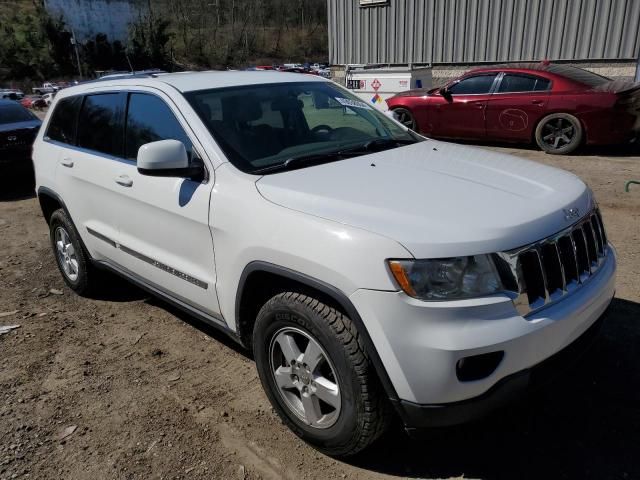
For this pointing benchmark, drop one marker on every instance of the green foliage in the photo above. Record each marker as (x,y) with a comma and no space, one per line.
(223,33)
(33,44)
(169,34)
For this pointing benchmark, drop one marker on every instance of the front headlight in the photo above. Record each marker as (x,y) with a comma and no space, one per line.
(447,278)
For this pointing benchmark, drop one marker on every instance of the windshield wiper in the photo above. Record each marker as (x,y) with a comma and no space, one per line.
(382,143)
(316,158)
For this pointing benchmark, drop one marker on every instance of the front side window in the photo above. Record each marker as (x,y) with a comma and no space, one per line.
(264,126)
(101,126)
(512,83)
(149,119)
(477,84)
(62,126)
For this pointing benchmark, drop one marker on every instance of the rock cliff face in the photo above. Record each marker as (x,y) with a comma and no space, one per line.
(90,17)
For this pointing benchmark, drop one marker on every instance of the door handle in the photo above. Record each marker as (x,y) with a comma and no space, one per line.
(124,180)
(537,102)
(479,104)
(66,162)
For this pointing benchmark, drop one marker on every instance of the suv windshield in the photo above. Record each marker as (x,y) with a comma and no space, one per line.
(265,128)
(14,113)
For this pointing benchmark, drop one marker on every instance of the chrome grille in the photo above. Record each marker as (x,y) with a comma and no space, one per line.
(544,272)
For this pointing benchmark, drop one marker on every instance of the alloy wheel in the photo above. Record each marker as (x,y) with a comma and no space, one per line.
(558,132)
(305,377)
(66,253)
(405,118)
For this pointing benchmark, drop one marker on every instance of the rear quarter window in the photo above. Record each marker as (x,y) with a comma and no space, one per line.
(64,120)
(513,83)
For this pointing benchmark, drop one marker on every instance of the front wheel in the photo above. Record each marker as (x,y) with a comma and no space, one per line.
(405,117)
(559,133)
(317,376)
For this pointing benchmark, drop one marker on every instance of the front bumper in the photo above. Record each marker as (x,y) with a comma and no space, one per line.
(420,343)
(508,389)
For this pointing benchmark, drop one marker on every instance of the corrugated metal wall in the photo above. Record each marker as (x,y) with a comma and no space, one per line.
(469,31)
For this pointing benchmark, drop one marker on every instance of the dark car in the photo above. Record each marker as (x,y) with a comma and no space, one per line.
(559,107)
(18,130)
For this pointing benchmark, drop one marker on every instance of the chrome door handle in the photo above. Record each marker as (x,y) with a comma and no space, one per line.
(124,180)
(537,102)
(479,104)
(66,162)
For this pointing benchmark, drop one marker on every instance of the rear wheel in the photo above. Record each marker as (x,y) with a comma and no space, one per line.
(73,262)
(405,117)
(316,374)
(559,133)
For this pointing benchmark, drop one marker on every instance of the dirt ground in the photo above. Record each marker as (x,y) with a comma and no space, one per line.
(140,390)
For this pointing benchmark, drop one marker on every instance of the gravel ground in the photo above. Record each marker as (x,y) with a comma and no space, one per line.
(124,386)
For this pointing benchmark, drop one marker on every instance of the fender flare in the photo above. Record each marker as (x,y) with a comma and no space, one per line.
(46,191)
(336,295)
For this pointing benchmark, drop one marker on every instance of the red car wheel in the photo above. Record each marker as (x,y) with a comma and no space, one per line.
(405,117)
(559,133)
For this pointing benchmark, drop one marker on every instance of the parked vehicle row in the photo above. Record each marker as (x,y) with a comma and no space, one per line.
(374,274)
(36,102)
(11,94)
(46,87)
(559,107)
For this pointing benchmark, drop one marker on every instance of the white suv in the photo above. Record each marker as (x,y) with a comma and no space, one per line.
(372,272)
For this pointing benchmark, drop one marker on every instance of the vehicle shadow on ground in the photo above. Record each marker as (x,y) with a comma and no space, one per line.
(213,332)
(585,424)
(16,184)
(114,288)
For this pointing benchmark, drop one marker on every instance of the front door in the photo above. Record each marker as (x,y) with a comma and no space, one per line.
(460,113)
(164,227)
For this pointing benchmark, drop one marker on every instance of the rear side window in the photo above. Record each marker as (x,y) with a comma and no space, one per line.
(523,83)
(62,126)
(149,119)
(101,126)
(473,85)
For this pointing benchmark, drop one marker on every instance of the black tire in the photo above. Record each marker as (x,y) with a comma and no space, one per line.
(365,412)
(559,133)
(87,274)
(405,117)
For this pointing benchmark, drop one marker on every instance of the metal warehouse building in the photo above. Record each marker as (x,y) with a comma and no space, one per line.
(454,34)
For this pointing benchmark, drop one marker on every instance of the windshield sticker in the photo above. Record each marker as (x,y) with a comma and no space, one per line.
(347,102)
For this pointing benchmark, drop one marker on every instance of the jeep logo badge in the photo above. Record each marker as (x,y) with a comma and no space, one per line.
(571,213)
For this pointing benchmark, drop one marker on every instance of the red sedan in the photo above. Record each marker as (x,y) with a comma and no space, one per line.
(557,106)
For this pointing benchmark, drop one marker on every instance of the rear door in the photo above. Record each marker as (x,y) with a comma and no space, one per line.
(86,172)
(461,114)
(516,106)
(164,227)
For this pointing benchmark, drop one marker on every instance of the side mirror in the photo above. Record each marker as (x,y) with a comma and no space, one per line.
(445,92)
(167,158)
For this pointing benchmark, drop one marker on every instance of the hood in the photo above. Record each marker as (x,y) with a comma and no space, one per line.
(416,92)
(26,125)
(435,198)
